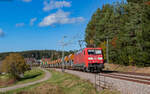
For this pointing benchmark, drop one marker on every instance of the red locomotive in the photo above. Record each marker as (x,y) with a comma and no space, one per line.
(89,59)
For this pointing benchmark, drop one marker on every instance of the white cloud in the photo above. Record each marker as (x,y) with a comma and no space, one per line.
(27,1)
(19,24)
(60,17)
(1,32)
(32,21)
(55,4)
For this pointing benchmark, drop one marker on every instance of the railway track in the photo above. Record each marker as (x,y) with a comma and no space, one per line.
(141,78)
(133,77)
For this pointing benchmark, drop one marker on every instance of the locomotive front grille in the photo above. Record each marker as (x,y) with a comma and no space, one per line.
(96,65)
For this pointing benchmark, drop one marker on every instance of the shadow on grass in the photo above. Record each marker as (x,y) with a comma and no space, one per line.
(29,77)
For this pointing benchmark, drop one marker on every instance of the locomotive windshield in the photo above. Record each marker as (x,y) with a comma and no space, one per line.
(91,52)
(94,52)
(98,51)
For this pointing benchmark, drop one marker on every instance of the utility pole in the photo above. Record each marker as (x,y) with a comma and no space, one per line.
(63,44)
(107,49)
(51,57)
(81,43)
(63,60)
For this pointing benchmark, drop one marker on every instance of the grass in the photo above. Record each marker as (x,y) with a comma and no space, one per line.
(18,91)
(121,68)
(71,84)
(32,75)
(106,91)
(61,83)
(4,77)
(29,76)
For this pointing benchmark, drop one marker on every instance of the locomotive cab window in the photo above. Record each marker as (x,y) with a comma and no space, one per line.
(98,51)
(91,52)
(94,52)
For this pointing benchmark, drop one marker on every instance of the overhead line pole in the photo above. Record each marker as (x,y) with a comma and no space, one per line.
(107,49)
(81,43)
(63,44)
(63,59)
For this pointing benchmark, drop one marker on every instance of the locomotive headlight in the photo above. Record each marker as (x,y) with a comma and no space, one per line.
(100,58)
(90,58)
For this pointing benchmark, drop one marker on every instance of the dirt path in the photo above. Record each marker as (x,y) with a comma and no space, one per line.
(47,76)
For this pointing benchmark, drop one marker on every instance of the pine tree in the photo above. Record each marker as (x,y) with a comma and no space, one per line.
(144,38)
(91,28)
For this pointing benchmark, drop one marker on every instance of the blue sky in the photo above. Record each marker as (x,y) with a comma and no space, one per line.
(41,24)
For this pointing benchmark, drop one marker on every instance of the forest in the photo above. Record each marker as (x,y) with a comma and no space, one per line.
(126,25)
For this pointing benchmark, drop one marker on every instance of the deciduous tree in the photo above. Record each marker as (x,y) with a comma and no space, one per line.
(15,65)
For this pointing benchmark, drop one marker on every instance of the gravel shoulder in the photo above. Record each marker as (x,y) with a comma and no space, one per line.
(47,76)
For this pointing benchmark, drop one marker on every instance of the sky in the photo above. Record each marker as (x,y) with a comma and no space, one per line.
(42,24)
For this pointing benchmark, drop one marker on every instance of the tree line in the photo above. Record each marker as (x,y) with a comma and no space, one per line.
(38,54)
(127,27)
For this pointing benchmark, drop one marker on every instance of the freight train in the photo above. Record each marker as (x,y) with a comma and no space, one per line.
(87,59)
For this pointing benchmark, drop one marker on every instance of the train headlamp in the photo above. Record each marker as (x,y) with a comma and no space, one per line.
(90,58)
(100,58)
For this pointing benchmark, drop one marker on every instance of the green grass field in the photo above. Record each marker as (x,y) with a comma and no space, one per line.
(32,75)
(29,76)
(61,83)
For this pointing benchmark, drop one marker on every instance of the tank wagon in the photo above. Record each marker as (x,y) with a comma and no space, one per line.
(88,59)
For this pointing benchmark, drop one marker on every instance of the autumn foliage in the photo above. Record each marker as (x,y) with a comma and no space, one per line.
(15,65)
(113,42)
(147,3)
